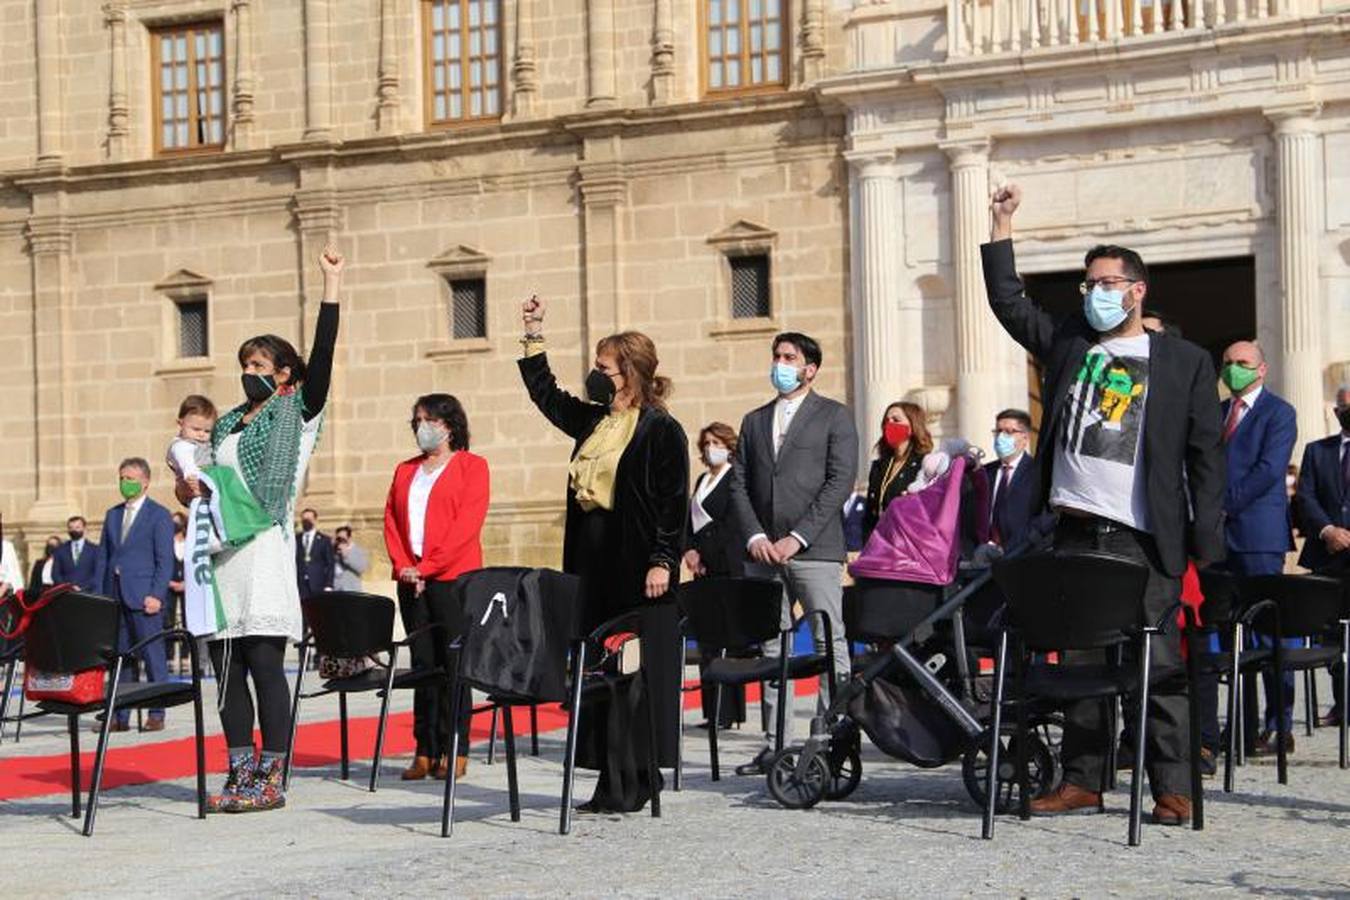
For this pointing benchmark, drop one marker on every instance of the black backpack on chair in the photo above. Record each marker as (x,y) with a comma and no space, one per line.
(515,628)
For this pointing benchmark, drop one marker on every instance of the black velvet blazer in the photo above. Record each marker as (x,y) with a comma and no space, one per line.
(651,486)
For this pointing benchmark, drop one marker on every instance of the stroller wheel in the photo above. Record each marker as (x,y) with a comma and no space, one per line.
(845,774)
(1042,770)
(793,790)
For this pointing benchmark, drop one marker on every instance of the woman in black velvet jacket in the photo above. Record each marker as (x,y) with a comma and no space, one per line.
(627,495)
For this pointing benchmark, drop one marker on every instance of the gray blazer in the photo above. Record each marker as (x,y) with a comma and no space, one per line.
(347,572)
(803,490)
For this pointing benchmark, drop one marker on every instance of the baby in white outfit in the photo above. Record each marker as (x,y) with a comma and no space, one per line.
(191,450)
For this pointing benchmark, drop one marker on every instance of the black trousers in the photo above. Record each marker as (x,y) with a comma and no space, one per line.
(1167,751)
(431,705)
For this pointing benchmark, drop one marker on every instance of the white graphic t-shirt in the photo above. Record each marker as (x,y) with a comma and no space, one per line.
(1099,465)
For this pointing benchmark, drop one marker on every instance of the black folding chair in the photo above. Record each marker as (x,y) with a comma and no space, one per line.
(78,631)
(739,615)
(353,625)
(1297,606)
(1085,601)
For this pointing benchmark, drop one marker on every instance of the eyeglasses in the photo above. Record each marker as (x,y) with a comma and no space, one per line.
(997,431)
(1086,287)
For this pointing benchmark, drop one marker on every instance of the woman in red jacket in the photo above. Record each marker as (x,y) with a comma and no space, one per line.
(433,520)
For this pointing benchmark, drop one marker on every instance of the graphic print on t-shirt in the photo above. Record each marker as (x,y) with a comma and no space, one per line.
(1106,407)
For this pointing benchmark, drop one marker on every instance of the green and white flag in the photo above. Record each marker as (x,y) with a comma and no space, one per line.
(228,518)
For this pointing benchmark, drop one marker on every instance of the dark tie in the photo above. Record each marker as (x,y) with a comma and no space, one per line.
(1345,471)
(1000,500)
(1234,416)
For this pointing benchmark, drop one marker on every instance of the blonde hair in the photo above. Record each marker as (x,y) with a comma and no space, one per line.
(636,357)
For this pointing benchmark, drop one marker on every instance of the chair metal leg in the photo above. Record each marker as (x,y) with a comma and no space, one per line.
(1281,728)
(73,724)
(4,698)
(199,724)
(712,734)
(784,696)
(570,754)
(1193,702)
(991,777)
(1112,707)
(343,738)
(1023,738)
(1234,749)
(1345,685)
(653,748)
(1141,727)
(512,786)
(384,720)
(18,726)
(534,729)
(295,716)
(1309,707)
(96,781)
(456,704)
(492,736)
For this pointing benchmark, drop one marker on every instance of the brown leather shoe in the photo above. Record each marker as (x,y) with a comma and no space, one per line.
(420,768)
(1172,809)
(154,723)
(115,726)
(1266,744)
(443,767)
(1066,799)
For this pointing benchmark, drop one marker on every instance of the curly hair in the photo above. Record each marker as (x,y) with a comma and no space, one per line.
(720,430)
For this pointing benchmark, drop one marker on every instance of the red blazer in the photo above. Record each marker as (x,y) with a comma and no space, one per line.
(455,512)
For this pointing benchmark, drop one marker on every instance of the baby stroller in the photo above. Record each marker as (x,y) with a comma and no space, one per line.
(920,698)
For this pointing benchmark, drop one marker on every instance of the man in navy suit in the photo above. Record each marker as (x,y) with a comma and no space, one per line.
(137,563)
(314,557)
(1323,503)
(1014,483)
(78,561)
(1258,434)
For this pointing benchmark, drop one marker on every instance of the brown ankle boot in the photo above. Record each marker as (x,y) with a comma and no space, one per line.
(420,768)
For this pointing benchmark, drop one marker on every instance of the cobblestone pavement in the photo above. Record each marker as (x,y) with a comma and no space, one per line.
(905,832)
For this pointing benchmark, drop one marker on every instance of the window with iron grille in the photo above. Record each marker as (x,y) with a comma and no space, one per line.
(188,65)
(463,59)
(750,286)
(468,307)
(193,339)
(743,45)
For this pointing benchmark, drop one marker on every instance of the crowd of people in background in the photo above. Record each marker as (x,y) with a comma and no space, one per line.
(1137,457)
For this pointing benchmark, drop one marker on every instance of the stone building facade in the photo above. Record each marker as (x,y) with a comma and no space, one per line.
(147,225)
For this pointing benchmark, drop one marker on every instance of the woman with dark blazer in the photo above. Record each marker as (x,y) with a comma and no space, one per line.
(433,523)
(627,497)
(900,451)
(714,549)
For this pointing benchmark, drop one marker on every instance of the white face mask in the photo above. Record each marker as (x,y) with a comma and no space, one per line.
(430,436)
(718,456)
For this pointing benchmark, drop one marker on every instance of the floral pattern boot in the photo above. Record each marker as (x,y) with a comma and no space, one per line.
(265,790)
(242,768)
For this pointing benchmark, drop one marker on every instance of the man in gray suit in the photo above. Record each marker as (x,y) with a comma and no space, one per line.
(795,466)
(350,561)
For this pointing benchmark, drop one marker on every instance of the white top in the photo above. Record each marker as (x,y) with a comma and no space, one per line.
(419,493)
(783,411)
(185,457)
(1098,464)
(10,573)
(698,516)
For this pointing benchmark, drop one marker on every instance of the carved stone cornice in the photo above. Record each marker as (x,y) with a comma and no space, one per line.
(50,234)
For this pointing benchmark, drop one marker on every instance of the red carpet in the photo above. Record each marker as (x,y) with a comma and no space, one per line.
(317,744)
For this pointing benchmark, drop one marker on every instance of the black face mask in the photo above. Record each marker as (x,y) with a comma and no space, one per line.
(51,548)
(1343,416)
(258,388)
(600,388)
(76,535)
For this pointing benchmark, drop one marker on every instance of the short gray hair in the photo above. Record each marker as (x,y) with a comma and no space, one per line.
(135,462)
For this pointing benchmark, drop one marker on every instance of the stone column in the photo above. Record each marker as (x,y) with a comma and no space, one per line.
(241,107)
(387,111)
(47,14)
(663,54)
(524,73)
(1300,193)
(49,242)
(990,370)
(603,191)
(876,292)
(116,18)
(813,41)
(318,92)
(601,91)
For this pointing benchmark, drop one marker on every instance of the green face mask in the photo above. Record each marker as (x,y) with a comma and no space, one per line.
(129,487)
(1238,377)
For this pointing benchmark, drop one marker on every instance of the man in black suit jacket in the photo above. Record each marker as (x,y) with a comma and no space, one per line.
(77,560)
(795,464)
(1016,504)
(314,557)
(1322,501)
(1133,464)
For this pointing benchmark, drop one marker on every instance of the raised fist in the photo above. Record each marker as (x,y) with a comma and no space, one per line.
(1005,201)
(331,261)
(532,313)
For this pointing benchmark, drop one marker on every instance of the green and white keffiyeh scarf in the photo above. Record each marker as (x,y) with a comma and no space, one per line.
(269,450)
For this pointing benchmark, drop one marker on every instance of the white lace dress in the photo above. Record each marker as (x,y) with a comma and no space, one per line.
(257,581)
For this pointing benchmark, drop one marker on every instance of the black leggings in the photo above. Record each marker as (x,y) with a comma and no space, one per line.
(260,656)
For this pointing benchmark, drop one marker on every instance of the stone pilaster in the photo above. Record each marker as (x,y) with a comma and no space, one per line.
(663,54)
(604,190)
(1300,198)
(318,88)
(524,71)
(115,16)
(241,105)
(601,90)
(48,16)
(990,372)
(387,111)
(813,41)
(878,375)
